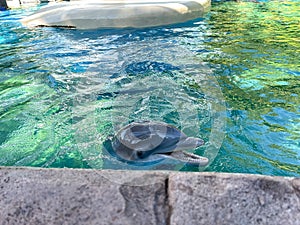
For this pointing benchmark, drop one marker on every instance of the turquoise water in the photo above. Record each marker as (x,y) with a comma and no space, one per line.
(231,78)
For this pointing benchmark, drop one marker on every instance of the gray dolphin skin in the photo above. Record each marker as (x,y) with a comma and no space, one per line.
(153,141)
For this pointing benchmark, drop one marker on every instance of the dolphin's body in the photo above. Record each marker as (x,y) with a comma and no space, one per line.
(146,142)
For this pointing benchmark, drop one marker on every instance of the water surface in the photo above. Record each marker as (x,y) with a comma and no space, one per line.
(231,78)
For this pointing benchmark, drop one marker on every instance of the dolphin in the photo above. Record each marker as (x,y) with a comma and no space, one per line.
(149,141)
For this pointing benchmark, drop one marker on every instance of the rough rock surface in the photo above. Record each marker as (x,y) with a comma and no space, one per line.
(52,196)
(71,196)
(211,198)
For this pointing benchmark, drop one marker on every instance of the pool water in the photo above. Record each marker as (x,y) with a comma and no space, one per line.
(231,78)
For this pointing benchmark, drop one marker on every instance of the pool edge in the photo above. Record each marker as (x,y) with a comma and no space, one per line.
(80,196)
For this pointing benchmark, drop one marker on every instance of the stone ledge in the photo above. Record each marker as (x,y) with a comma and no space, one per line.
(73,196)
(234,199)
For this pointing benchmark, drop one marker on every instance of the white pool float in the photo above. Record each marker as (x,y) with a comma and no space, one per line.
(93,14)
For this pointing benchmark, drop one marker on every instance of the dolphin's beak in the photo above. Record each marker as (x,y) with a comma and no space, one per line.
(180,154)
(189,158)
(186,157)
(189,143)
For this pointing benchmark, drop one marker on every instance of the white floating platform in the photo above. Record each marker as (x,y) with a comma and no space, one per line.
(25,3)
(116,13)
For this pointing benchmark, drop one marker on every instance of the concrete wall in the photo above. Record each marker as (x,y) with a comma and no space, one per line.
(69,196)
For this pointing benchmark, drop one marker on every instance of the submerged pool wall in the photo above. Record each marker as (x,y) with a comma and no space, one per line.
(3,4)
(73,196)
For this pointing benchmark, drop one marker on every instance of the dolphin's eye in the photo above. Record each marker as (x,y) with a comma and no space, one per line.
(139,154)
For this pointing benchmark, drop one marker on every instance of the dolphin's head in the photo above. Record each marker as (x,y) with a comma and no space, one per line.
(154,141)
